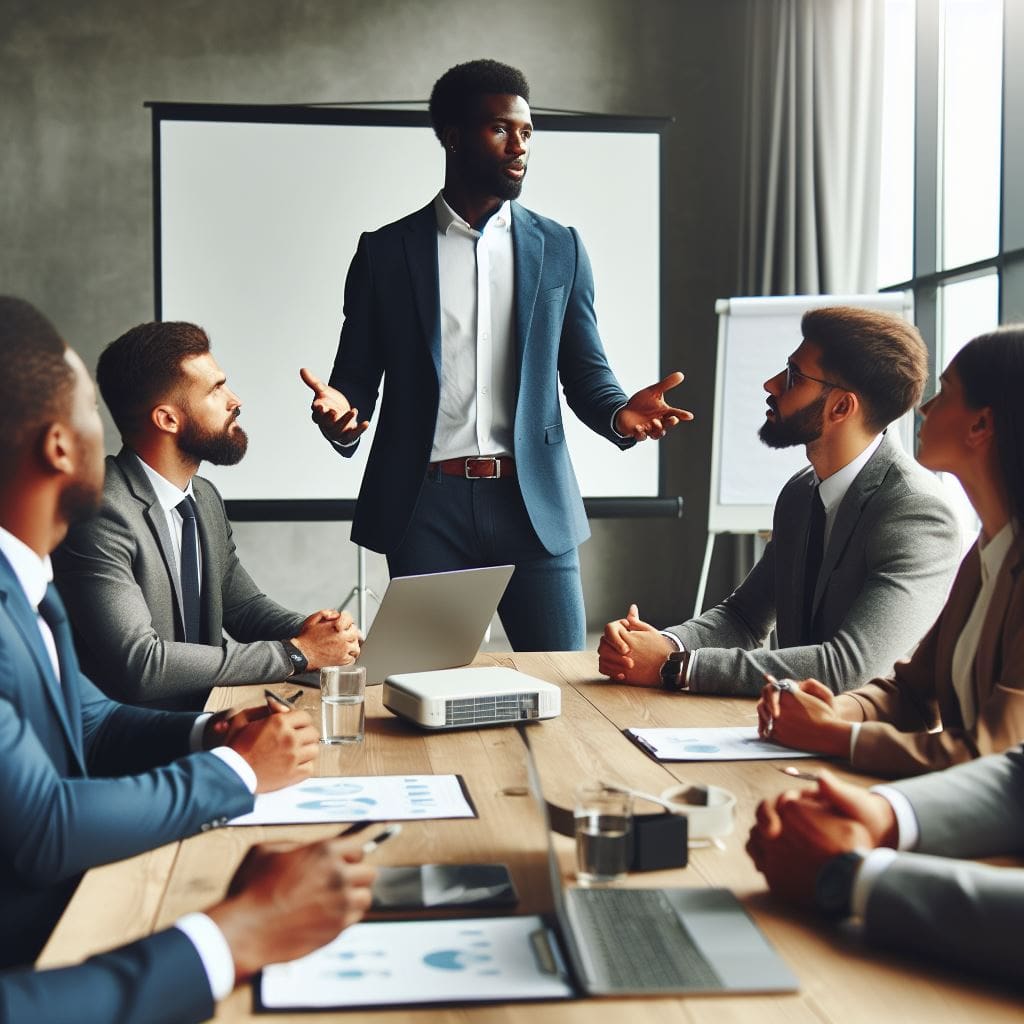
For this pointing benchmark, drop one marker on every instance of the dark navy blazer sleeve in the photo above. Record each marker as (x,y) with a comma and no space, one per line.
(157,980)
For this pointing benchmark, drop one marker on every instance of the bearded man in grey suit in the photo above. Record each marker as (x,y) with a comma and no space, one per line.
(864,545)
(886,857)
(153,582)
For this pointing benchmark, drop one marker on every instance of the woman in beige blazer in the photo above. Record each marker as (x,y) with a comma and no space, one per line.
(961,694)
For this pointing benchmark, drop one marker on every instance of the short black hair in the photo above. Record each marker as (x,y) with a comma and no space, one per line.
(36,381)
(880,356)
(143,367)
(452,100)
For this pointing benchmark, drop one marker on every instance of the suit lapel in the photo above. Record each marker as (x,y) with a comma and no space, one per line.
(138,483)
(986,660)
(528,260)
(965,590)
(859,493)
(23,616)
(212,611)
(421,258)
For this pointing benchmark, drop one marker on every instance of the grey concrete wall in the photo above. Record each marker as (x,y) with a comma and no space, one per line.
(75,202)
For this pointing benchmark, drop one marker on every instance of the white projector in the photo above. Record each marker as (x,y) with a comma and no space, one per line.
(459,698)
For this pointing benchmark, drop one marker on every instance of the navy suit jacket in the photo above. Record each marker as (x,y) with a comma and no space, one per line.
(393,329)
(157,980)
(83,780)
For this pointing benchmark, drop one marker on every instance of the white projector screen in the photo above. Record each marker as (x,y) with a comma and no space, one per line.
(258,212)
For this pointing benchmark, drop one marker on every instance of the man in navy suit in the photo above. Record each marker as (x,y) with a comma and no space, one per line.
(85,780)
(473,310)
(280,906)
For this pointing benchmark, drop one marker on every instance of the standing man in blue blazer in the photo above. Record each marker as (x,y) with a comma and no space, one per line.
(473,309)
(85,780)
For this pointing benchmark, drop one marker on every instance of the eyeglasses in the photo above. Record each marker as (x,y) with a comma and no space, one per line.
(792,373)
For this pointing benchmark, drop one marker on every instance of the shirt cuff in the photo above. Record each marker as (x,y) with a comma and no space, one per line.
(350,444)
(673,639)
(874,863)
(624,437)
(195,736)
(237,764)
(213,950)
(907,830)
(854,733)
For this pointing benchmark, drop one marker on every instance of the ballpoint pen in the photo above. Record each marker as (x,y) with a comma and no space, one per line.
(798,773)
(288,702)
(381,837)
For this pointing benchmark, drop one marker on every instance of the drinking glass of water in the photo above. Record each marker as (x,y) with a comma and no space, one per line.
(342,703)
(604,833)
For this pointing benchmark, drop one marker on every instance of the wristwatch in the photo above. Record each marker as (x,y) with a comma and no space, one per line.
(833,888)
(299,661)
(673,672)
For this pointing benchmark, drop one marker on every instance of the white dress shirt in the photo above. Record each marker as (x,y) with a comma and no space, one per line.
(476,409)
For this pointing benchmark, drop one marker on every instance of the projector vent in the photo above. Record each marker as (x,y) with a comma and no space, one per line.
(510,707)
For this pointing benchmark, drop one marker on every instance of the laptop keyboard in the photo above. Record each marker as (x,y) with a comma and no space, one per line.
(637,941)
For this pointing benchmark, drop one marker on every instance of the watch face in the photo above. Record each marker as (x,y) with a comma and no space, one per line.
(834,885)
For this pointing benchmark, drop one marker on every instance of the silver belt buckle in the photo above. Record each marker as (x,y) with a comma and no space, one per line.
(476,459)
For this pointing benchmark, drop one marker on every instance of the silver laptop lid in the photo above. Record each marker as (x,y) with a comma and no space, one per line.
(433,621)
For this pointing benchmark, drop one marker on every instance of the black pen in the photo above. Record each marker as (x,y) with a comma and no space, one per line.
(288,702)
(381,837)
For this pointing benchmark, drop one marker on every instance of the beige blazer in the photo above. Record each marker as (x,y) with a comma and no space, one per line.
(899,712)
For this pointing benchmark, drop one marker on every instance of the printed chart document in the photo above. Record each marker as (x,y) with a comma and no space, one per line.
(363,798)
(734,743)
(392,963)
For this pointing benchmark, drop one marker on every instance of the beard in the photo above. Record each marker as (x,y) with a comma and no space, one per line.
(802,427)
(220,448)
(491,178)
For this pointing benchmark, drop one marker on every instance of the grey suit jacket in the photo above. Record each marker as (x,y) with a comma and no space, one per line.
(891,556)
(117,576)
(966,914)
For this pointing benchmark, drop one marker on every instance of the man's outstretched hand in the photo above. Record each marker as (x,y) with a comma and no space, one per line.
(332,413)
(646,414)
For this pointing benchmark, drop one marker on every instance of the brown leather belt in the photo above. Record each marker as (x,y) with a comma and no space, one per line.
(477,467)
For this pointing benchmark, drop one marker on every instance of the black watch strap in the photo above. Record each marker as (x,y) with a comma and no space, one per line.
(673,671)
(833,888)
(295,656)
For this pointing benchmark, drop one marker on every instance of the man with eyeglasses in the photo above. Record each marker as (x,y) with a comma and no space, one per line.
(864,545)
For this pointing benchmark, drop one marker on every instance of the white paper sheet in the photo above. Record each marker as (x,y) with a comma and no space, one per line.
(389,963)
(362,798)
(735,743)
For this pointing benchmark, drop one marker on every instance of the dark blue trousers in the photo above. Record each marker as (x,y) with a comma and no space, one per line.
(468,524)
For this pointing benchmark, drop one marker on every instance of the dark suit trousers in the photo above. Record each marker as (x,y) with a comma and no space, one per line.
(468,524)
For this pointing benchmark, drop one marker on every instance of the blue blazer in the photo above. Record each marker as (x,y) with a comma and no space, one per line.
(392,329)
(157,980)
(83,780)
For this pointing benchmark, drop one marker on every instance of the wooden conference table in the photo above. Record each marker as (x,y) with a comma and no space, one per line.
(841,981)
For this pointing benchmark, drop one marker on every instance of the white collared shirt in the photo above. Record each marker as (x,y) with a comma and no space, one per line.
(169,496)
(991,556)
(34,574)
(476,409)
(833,489)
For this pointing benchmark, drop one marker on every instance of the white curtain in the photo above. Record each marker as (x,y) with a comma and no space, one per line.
(812,144)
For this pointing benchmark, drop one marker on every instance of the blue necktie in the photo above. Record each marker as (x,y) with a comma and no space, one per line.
(189,570)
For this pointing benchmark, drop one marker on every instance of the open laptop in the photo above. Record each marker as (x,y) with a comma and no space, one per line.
(657,941)
(432,621)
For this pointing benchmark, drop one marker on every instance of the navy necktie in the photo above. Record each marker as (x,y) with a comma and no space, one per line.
(189,570)
(812,564)
(51,611)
